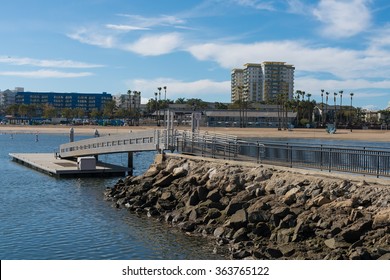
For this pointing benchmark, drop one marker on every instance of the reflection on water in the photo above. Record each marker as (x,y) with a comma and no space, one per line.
(47,218)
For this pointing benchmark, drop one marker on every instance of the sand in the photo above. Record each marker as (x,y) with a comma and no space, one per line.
(341,134)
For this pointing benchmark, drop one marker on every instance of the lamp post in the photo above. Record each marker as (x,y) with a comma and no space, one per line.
(335,114)
(155,99)
(341,104)
(159,98)
(165,102)
(322,107)
(351,94)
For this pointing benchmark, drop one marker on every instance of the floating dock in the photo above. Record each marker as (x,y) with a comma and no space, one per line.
(50,164)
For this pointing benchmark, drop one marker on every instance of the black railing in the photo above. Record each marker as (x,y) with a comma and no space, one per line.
(359,160)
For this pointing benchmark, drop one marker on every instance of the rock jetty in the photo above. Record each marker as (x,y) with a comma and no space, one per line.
(262,212)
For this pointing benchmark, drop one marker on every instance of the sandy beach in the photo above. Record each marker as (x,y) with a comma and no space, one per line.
(341,134)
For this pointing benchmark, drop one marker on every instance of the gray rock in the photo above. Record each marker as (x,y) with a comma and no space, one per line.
(382,218)
(219,231)
(333,243)
(214,195)
(262,229)
(353,233)
(240,235)
(239,219)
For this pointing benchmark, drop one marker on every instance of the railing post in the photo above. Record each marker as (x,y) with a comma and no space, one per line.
(330,159)
(377,165)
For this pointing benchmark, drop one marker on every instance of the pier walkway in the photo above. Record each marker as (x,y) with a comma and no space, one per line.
(359,160)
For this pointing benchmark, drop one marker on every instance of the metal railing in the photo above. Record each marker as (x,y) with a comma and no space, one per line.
(367,161)
(218,146)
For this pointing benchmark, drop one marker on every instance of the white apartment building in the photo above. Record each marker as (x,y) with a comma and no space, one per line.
(262,82)
(237,84)
(7,97)
(128,101)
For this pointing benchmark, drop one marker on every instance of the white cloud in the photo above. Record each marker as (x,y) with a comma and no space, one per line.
(343,18)
(41,74)
(95,38)
(342,63)
(256,4)
(149,22)
(155,44)
(46,63)
(122,27)
(207,90)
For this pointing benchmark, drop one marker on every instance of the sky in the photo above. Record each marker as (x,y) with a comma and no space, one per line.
(191,46)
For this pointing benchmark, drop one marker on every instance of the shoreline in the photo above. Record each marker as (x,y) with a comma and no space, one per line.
(303,133)
(262,212)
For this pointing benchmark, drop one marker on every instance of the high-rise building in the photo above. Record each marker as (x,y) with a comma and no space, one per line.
(253,82)
(262,82)
(278,79)
(237,84)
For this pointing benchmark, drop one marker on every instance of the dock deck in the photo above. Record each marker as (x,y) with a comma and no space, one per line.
(49,164)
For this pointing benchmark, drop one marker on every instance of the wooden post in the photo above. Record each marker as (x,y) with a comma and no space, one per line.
(130,163)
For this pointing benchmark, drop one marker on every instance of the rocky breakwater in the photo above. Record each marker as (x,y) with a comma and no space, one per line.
(259,212)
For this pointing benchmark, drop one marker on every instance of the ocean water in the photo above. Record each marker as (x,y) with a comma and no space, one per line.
(42,217)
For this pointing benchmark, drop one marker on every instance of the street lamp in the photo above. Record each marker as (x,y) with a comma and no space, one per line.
(351,94)
(335,114)
(322,107)
(341,104)
(155,99)
(159,98)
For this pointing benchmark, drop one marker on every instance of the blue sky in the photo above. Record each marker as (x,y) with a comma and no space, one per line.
(191,46)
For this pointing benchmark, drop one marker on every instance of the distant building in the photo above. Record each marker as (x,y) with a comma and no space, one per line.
(262,82)
(237,84)
(128,101)
(85,101)
(7,97)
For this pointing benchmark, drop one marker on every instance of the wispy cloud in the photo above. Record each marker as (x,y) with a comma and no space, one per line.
(93,37)
(124,27)
(343,18)
(256,4)
(46,62)
(42,74)
(150,22)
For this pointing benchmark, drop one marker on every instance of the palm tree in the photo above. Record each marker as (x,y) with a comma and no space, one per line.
(341,103)
(180,100)
(310,107)
(326,115)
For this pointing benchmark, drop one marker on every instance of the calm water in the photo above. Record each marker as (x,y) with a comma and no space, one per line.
(47,218)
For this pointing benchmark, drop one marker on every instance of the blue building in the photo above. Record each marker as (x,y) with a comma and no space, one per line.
(85,101)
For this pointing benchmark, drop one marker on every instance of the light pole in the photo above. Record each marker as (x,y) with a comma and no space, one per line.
(159,98)
(335,114)
(322,107)
(155,99)
(351,94)
(341,104)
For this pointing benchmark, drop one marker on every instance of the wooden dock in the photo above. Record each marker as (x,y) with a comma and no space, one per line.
(50,164)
